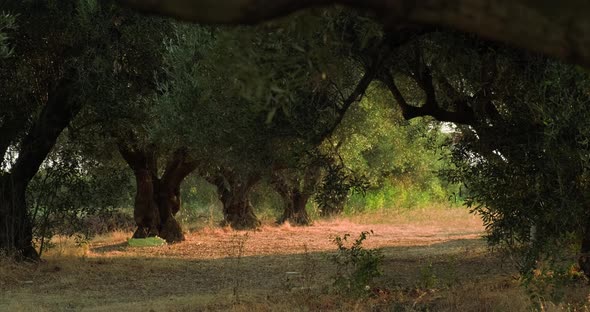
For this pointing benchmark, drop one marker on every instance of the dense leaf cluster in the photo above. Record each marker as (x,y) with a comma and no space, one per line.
(526,169)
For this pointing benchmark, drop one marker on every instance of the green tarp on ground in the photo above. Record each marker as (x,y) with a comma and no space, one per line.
(146,242)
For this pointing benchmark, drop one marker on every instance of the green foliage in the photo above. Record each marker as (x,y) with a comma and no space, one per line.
(69,190)
(200,203)
(526,170)
(199,108)
(267,202)
(356,267)
(7,24)
(397,160)
(428,278)
(334,189)
(249,98)
(551,282)
(278,64)
(400,194)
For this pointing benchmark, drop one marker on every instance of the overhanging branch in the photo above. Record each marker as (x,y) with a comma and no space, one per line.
(559,28)
(356,95)
(463,116)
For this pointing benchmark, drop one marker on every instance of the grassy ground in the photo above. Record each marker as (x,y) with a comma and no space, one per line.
(434,260)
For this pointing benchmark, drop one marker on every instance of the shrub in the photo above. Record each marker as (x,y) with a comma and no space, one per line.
(107,221)
(356,267)
(526,167)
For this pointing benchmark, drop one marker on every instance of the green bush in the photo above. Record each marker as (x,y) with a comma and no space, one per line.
(395,195)
(356,267)
(76,197)
(526,169)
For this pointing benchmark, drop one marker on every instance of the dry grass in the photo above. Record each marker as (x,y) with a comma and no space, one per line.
(434,260)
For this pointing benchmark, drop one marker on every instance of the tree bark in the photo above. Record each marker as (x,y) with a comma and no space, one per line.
(239,213)
(294,210)
(16,234)
(16,229)
(233,191)
(169,202)
(145,210)
(295,193)
(168,199)
(559,29)
(157,199)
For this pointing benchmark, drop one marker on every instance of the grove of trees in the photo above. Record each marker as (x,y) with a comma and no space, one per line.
(320,105)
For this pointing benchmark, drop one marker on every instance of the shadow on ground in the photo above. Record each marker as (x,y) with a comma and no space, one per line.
(114,277)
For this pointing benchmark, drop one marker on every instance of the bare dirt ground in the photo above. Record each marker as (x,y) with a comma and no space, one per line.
(432,260)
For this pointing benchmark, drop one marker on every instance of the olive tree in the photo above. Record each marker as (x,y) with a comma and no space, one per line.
(65,58)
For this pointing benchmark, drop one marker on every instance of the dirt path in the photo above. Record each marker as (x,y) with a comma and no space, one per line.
(215,268)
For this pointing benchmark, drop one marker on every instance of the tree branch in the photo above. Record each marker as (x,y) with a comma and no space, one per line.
(139,158)
(377,57)
(354,97)
(55,116)
(10,129)
(463,116)
(179,167)
(559,28)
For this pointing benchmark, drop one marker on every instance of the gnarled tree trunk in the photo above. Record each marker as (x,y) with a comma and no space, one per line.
(145,210)
(168,194)
(157,199)
(233,191)
(16,230)
(293,202)
(296,188)
(294,207)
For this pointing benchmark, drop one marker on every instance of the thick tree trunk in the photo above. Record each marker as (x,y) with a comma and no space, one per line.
(294,201)
(156,203)
(169,201)
(294,211)
(299,215)
(233,193)
(145,210)
(157,200)
(169,204)
(296,188)
(239,213)
(16,229)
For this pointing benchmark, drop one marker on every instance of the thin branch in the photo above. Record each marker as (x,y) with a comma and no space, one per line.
(354,97)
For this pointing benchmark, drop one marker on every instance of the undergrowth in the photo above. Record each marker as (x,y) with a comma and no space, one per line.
(356,267)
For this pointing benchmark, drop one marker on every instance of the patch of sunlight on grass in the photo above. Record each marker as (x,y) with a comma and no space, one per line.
(439,215)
